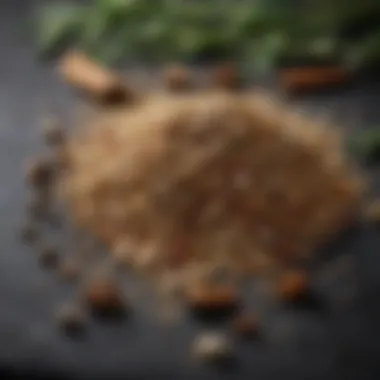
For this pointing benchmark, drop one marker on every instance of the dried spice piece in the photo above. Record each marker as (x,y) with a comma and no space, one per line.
(48,256)
(177,78)
(246,326)
(189,181)
(71,319)
(104,296)
(40,172)
(211,346)
(227,77)
(298,80)
(293,285)
(98,83)
(209,297)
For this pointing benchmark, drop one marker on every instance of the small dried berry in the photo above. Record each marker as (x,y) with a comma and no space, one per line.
(293,286)
(212,347)
(40,172)
(104,296)
(49,256)
(177,78)
(210,297)
(71,319)
(53,133)
(245,326)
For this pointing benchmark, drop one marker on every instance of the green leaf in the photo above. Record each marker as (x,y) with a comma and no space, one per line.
(58,23)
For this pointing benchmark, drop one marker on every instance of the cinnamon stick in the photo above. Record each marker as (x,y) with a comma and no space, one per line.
(100,84)
(304,79)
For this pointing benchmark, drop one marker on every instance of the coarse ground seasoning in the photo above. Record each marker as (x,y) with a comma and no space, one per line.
(182,185)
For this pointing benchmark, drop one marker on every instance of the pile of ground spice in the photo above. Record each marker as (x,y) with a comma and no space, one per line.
(181,186)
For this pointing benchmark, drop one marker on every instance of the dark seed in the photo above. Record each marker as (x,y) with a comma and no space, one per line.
(104,297)
(40,172)
(37,207)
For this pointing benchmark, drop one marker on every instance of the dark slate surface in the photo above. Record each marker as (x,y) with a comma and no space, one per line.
(340,343)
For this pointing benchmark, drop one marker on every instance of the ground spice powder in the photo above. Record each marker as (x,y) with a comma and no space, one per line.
(180,186)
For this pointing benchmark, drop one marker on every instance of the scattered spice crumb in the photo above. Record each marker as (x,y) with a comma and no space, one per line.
(212,346)
(293,285)
(40,172)
(212,297)
(104,296)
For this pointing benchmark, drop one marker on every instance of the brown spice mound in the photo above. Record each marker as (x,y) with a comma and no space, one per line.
(213,179)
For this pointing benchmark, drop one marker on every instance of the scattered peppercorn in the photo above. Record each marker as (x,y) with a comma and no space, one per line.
(212,297)
(104,296)
(246,326)
(293,286)
(40,172)
(71,319)
(177,78)
(49,257)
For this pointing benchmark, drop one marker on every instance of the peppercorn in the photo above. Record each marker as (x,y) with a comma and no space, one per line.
(212,297)
(293,286)
(104,296)
(40,172)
